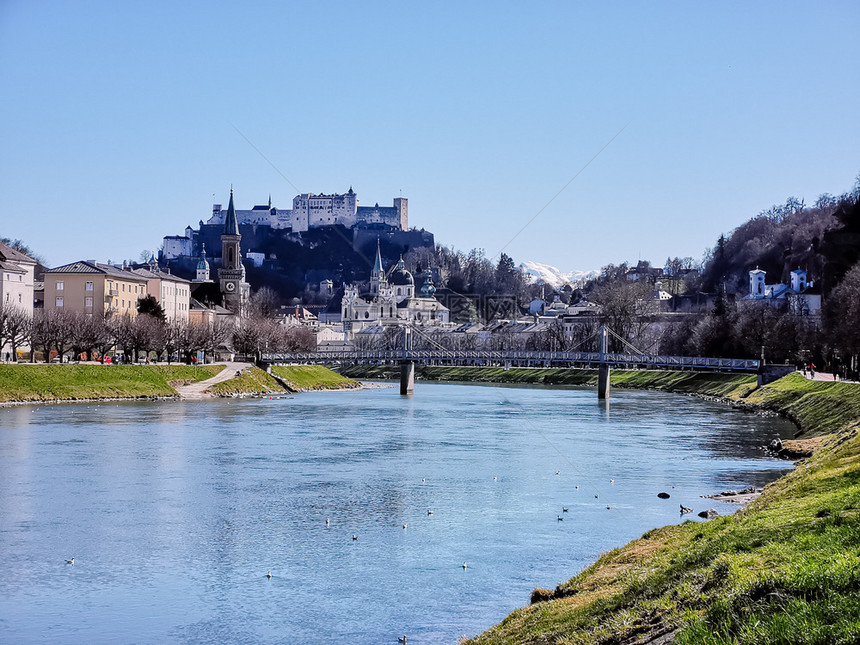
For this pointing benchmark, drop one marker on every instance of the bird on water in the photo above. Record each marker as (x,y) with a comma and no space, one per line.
(71,562)
(269,575)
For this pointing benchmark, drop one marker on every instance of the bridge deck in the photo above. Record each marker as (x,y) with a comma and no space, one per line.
(517,358)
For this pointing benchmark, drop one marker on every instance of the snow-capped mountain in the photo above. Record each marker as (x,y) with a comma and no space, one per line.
(554,276)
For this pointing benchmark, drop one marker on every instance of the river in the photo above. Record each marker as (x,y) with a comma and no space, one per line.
(176,511)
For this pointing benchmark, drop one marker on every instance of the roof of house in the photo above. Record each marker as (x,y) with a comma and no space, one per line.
(159,275)
(196,305)
(10,267)
(97,268)
(8,253)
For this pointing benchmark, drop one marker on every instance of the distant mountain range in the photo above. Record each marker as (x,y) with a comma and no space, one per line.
(554,276)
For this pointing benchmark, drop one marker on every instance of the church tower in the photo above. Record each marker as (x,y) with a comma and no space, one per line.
(377,276)
(231,275)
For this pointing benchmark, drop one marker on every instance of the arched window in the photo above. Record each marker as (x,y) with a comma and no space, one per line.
(367,314)
(398,291)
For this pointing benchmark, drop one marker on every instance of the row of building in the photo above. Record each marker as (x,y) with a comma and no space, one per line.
(96,288)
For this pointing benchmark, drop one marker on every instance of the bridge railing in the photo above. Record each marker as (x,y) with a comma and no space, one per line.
(485,357)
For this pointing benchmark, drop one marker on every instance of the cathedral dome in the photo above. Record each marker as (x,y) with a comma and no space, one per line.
(400,276)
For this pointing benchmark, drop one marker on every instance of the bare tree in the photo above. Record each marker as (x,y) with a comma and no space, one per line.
(18,324)
(53,329)
(625,307)
(264,303)
(174,337)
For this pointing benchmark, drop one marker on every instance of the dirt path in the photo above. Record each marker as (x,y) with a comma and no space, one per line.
(197,391)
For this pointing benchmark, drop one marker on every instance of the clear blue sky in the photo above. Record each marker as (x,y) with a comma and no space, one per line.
(118,118)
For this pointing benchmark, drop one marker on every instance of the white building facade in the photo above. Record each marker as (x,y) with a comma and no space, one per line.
(798,294)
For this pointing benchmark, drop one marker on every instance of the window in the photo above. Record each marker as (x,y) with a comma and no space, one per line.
(60,285)
(19,298)
(88,301)
(7,297)
(59,301)
(89,286)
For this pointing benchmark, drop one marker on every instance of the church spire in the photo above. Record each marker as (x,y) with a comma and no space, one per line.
(377,264)
(231,225)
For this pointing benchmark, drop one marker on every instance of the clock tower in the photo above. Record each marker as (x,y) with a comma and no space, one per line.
(231,275)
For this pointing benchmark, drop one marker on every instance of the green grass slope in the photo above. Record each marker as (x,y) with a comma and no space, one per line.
(295,377)
(251,381)
(32,383)
(785,570)
(313,377)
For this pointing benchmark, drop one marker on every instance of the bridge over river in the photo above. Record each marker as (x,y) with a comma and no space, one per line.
(603,360)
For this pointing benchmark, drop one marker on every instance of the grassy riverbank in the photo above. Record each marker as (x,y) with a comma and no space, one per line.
(292,378)
(40,383)
(313,377)
(784,570)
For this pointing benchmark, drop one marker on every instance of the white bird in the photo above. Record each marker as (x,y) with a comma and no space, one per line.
(495,478)
(354,537)
(327,521)
(611,481)
(71,562)
(429,512)
(564,509)
(269,575)
(464,565)
(558,472)
(404,526)
(560,518)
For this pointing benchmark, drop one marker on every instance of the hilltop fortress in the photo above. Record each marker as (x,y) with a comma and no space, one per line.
(312,210)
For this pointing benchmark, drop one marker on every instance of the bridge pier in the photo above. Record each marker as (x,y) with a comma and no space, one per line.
(407,378)
(603,381)
(603,370)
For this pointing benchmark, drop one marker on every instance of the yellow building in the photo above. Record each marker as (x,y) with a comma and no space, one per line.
(94,288)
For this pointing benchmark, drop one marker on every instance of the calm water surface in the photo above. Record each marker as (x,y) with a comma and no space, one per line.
(174,511)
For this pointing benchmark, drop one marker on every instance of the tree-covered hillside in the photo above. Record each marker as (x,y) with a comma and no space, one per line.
(823,239)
